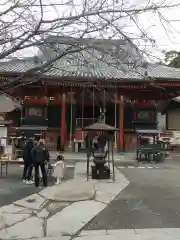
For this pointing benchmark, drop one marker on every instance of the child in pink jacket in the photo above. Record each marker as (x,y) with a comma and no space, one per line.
(59,169)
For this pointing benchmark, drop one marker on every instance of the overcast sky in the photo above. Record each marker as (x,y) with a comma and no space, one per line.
(165,33)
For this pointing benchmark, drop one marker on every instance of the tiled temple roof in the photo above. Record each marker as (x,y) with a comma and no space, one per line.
(113,60)
(8,104)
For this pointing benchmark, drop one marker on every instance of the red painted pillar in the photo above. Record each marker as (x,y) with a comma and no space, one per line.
(45,111)
(121,122)
(63,120)
(45,108)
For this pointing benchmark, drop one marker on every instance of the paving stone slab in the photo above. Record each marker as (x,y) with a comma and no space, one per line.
(131,234)
(109,188)
(93,232)
(34,201)
(54,238)
(27,229)
(72,190)
(171,232)
(54,207)
(72,218)
(104,197)
(122,232)
(28,211)
(158,233)
(128,234)
(146,234)
(80,170)
(120,177)
(11,209)
(108,237)
(43,214)
(9,219)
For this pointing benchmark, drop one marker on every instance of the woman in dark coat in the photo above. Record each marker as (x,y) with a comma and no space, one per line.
(40,156)
(28,162)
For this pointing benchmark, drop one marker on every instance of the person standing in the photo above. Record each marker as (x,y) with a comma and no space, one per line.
(35,143)
(40,156)
(59,169)
(28,163)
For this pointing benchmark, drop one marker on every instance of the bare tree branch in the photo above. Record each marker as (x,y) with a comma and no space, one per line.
(30,25)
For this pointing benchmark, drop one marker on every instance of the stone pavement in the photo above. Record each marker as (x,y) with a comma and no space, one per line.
(94,210)
(127,157)
(12,188)
(147,209)
(131,234)
(139,167)
(60,211)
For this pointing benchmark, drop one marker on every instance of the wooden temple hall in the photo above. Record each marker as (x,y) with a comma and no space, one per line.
(109,76)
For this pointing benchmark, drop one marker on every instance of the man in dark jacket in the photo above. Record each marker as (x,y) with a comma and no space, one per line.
(28,163)
(40,156)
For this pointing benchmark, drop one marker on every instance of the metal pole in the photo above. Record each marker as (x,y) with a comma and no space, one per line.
(113,163)
(70,135)
(104,106)
(115,122)
(88,159)
(121,122)
(22,112)
(101,114)
(109,155)
(82,120)
(93,105)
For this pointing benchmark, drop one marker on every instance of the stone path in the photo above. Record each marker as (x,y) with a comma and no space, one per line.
(12,188)
(131,234)
(128,157)
(139,167)
(60,211)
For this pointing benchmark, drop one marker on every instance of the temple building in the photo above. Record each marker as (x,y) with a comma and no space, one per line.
(108,76)
(171,111)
